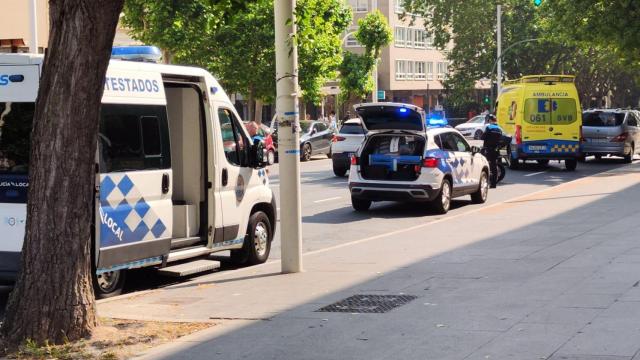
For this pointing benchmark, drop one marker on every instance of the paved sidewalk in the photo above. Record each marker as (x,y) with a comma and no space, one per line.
(552,275)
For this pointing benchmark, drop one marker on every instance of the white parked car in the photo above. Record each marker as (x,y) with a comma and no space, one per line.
(473,128)
(345,143)
(402,160)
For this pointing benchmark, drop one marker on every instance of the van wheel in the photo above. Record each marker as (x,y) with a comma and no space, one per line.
(109,283)
(257,242)
(514,164)
(480,196)
(360,204)
(442,202)
(629,157)
(571,164)
(306,152)
(543,162)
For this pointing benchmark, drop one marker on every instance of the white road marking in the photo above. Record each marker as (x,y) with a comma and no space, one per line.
(537,173)
(329,199)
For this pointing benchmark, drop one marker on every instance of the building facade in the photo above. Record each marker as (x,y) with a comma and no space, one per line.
(410,70)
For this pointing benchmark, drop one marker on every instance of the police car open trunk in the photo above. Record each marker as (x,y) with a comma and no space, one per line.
(395,145)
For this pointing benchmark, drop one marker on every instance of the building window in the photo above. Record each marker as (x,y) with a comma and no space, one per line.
(429,70)
(428,41)
(352,41)
(442,70)
(409,37)
(420,73)
(399,6)
(410,70)
(400,36)
(400,69)
(418,38)
(359,5)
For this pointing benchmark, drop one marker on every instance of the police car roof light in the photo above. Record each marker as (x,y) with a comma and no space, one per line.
(136,53)
(403,110)
(437,122)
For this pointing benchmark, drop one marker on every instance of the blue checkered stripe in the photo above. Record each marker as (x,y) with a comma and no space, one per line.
(459,168)
(125,215)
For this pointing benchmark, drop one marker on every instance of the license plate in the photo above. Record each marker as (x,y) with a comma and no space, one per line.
(597,140)
(537,148)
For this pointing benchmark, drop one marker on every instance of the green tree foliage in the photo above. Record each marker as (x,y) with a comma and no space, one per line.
(374,33)
(559,48)
(355,79)
(356,70)
(238,46)
(321,24)
(177,26)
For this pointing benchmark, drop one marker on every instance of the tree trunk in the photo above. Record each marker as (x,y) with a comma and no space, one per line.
(53,298)
(251,105)
(258,113)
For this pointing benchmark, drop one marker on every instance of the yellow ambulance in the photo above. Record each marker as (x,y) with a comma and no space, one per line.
(543,114)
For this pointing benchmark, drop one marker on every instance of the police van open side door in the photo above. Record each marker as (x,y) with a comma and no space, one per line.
(134,208)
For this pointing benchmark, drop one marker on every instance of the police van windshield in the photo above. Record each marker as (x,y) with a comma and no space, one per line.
(15,131)
(600,118)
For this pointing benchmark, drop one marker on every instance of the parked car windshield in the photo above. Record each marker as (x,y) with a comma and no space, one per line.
(356,129)
(602,118)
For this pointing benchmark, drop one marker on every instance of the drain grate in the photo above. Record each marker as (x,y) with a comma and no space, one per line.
(365,304)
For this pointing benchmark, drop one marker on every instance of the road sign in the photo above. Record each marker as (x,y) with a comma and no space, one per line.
(381,95)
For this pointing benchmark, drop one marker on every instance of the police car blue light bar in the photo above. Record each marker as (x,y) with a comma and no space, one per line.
(136,53)
(437,122)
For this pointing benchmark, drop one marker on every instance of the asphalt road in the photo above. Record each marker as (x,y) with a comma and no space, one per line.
(329,220)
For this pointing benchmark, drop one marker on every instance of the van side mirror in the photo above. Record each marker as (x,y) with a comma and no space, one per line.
(258,153)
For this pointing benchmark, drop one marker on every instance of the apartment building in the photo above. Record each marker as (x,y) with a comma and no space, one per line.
(410,70)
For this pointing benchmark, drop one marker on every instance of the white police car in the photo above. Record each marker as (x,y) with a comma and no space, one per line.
(403,160)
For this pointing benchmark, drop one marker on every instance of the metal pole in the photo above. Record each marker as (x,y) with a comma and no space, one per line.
(374,97)
(33,18)
(499,55)
(288,136)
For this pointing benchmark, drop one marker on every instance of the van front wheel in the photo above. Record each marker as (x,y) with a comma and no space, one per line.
(108,284)
(257,241)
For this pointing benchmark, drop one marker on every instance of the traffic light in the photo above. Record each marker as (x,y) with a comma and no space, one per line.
(537,2)
(486,100)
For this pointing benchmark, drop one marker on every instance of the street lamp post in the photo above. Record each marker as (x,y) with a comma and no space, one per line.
(499,61)
(288,136)
(33,18)
(499,43)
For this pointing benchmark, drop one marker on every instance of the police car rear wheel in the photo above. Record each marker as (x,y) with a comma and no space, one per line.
(480,196)
(360,204)
(109,283)
(442,202)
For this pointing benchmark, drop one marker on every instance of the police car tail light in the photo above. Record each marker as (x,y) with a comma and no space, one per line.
(430,162)
(518,134)
(355,160)
(338,138)
(620,138)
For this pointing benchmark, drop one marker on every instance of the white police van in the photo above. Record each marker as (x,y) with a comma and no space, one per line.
(402,159)
(179,177)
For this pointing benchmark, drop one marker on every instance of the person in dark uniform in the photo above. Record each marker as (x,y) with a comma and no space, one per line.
(492,138)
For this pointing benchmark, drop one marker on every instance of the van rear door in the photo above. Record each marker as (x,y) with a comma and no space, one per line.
(18,91)
(134,210)
(552,123)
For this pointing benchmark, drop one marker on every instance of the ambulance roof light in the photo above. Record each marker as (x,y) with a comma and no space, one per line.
(136,53)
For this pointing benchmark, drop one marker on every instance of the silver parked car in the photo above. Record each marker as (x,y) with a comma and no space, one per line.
(611,132)
(345,144)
